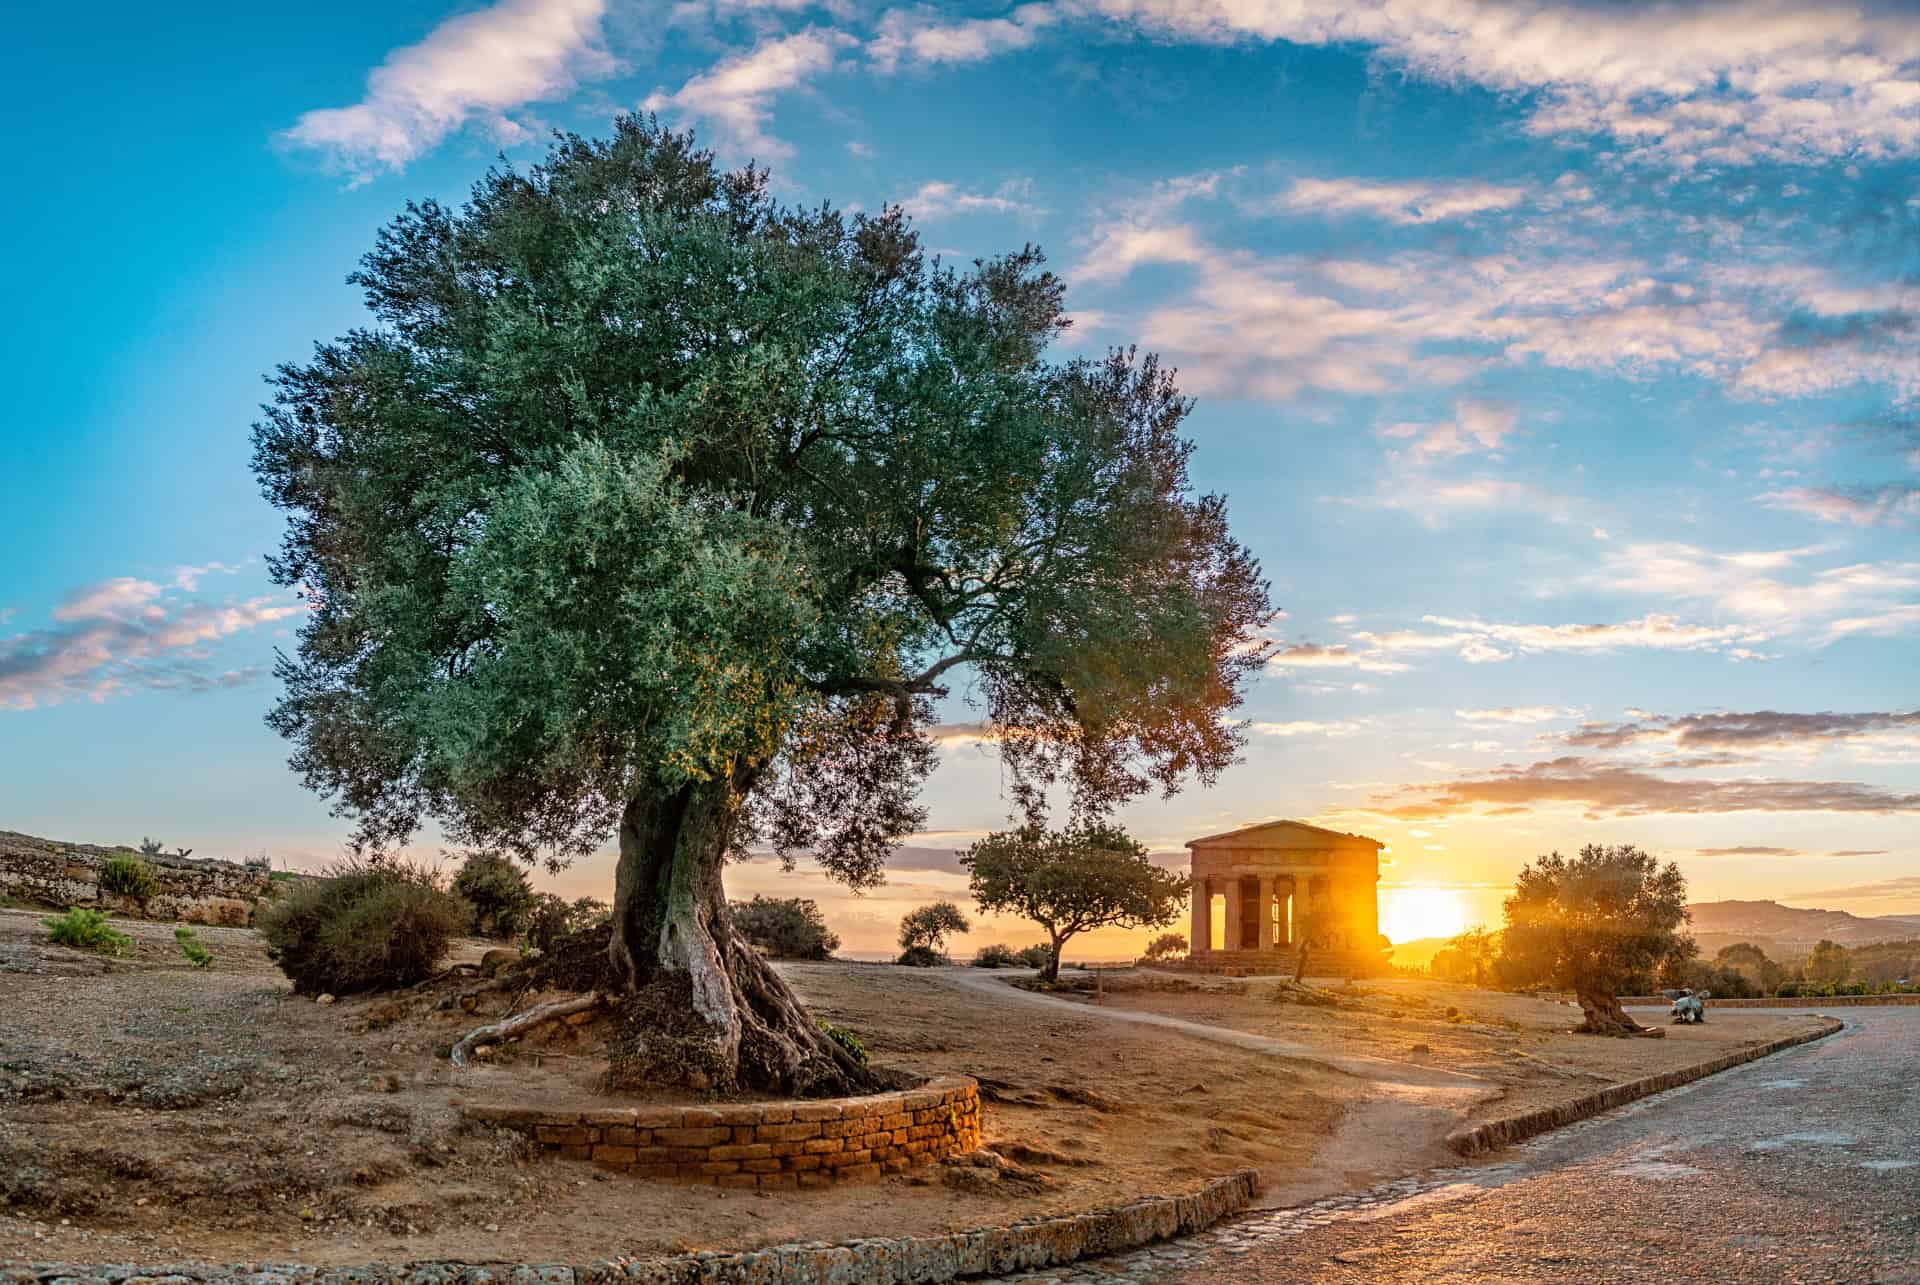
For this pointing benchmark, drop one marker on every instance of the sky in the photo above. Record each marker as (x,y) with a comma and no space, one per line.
(1559,360)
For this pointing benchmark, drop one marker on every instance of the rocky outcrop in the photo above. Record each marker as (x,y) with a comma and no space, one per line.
(46,872)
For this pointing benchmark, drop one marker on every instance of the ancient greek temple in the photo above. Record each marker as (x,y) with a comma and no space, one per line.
(1254,887)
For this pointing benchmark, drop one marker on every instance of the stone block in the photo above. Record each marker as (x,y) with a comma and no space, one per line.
(624,1136)
(817,1111)
(822,1146)
(604,1154)
(745,1151)
(563,1135)
(787,1132)
(738,1180)
(859,1173)
(692,1137)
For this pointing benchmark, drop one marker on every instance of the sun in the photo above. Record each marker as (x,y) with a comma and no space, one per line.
(1407,914)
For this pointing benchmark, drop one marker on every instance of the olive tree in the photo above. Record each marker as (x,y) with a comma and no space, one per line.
(924,932)
(1593,922)
(1072,880)
(649,506)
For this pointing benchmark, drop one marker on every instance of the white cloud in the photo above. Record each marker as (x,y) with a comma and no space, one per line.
(1865,506)
(1306,727)
(920,36)
(1484,642)
(736,94)
(1339,656)
(477,66)
(1517,714)
(1402,202)
(1476,426)
(1777,588)
(939,200)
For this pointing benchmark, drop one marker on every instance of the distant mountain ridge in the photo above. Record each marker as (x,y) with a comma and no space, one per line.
(1721,923)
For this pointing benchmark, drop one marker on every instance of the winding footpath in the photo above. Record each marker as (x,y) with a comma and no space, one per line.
(1804,1166)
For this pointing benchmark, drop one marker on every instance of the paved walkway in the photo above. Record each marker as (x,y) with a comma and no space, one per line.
(1804,1166)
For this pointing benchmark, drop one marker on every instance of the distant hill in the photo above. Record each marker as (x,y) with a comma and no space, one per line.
(1417,953)
(1783,931)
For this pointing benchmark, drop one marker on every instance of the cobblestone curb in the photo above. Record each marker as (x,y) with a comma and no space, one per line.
(1491,1134)
(756,1144)
(910,1260)
(1780,1001)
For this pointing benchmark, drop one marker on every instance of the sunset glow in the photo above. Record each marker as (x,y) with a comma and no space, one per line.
(1407,914)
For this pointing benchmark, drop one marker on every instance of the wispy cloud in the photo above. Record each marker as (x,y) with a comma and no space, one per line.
(735,96)
(1865,506)
(1307,727)
(1481,641)
(128,633)
(1759,729)
(1306,655)
(939,200)
(1516,714)
(1402,202)
(922,35)
(475,67)
(1778,588)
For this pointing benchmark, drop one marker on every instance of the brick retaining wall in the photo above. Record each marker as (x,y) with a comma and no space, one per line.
(762,1144)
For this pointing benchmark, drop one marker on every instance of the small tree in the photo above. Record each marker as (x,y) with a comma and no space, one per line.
(1751,962)
(1069,881)
(1828,964)
(788,927)
(1471,957)
(1591,922)
(499,893)
(923,932)
(1310,931)
(1166,946)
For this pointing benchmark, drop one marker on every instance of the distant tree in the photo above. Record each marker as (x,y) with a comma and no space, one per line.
(646,505)
(150,847)
(923,932)
(1166,946)
(1069,881)
(1752,963)
(1312,930)
(1828,964)
(1472,957)
(786,927)
(498,891)
(1591,922)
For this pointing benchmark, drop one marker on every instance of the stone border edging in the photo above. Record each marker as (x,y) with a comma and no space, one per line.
(761,1144)
(908,1260)
(1782,1001)
(1491,1134)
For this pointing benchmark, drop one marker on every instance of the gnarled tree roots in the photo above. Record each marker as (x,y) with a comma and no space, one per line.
(519,1024)
(1604,1016)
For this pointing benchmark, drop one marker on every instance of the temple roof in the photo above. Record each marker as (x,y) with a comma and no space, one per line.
(1316,836)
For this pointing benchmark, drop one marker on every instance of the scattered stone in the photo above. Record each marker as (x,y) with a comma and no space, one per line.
(323,999)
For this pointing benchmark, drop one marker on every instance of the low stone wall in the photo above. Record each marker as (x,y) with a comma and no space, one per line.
(50,873)
(762,1144)
(1508,1130)
(1025,1246)
(1778,1001)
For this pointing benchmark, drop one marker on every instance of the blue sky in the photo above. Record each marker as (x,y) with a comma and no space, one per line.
(1559,360)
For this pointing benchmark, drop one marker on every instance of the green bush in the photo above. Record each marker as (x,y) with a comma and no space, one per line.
(785,927)
(499,893)
(553,919)
(995,956)
(127,877)
(362,926)
(922,957)
(847,1040)
(1036,956)
(190,945)
(88,929)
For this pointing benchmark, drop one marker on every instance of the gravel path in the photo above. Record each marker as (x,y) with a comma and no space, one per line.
(1804,1166)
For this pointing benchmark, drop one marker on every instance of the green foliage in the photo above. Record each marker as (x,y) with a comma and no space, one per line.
(554,919)
(1827,964)
(847,1040)
(1593,923)
(498,891)
(1069,881)
(127,877)
(1472,958)
(995,956)
(1166,946)
(928,927)
(922,957)
(1038,955)
(362,926)
(192,947)
(89,930)
(785,927)
(151,847)
(640,481)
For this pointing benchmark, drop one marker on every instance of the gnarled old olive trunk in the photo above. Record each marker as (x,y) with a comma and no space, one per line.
(1605,1016)
(700,1007)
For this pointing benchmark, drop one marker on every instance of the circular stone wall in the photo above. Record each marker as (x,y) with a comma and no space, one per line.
(762,1144)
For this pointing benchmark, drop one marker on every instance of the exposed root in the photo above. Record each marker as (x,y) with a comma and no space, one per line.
(520,1023)
(1604,1016)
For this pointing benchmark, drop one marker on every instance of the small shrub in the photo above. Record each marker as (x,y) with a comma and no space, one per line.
(996,956)
(1034,956)
(554,919)
(922,957)
(90,930)
(785,927)
(362,926)
(1167,946)
(847,1040)
(499,893)
(127,877)
(190,945)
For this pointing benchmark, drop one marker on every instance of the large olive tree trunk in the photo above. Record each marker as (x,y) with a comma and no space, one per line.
(699,1006)
(1605,1016)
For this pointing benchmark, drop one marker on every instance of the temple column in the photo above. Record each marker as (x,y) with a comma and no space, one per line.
(1198,942)
(1233,941)
(1284,888)
(1266,913)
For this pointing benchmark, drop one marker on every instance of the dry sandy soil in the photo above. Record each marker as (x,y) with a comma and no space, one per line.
(149,1111)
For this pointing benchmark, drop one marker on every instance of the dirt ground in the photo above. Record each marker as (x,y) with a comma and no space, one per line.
(150,1111)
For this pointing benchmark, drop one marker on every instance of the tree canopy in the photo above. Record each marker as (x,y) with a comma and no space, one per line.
(650,503)
(1593,922)
(1072,880)
(925,930)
